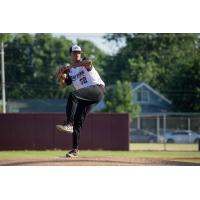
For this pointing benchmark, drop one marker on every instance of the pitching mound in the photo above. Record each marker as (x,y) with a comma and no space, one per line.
(97,161)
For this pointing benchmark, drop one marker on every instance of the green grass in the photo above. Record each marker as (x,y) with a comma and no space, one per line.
(163,147)
(141,154)
(30,154)
(99,153)
(136,151)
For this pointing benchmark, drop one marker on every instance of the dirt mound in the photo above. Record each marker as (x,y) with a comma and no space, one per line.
(95,161)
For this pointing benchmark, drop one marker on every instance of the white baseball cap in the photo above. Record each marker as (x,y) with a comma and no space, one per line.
(75,48)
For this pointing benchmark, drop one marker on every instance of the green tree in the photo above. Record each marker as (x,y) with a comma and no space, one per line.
(49,52)
(186,88)
(141,71)
(165,61)
(5,37)
(119,98)
(18,58)
(31,62)
(98,56)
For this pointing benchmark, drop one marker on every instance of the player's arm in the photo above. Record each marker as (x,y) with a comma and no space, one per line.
(65,80)
(62,83)
(62,80)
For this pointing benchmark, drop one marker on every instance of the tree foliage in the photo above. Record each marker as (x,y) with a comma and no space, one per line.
(119,98)
(31,63)
(168,62)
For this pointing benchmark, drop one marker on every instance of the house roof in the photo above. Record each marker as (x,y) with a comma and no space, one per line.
(37,105)
(154,109)
(138,85)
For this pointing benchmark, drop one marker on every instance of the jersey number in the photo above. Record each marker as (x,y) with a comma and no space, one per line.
(83,80)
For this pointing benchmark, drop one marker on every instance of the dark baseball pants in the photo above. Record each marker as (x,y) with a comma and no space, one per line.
(79,103)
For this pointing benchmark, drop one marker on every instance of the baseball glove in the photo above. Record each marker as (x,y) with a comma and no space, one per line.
(62,72)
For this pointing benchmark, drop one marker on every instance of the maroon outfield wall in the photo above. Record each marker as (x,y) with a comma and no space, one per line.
(36,131)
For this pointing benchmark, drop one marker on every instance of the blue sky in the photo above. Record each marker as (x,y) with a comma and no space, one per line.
(97,38)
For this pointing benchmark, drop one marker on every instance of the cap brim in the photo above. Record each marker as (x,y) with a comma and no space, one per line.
(76,51)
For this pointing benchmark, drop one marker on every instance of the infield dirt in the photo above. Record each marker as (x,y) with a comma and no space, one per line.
(100,161)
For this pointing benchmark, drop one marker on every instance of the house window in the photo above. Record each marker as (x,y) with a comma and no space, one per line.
(142,96)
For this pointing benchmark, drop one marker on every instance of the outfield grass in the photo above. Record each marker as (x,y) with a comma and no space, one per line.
(100,153)
(163,147)
(136,151)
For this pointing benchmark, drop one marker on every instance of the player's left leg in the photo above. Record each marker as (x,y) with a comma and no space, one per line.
(82,110)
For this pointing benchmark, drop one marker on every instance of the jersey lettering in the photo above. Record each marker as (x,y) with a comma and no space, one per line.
(83,80)
(81,73)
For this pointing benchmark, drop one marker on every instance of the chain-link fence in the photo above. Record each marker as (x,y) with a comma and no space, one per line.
(165,128)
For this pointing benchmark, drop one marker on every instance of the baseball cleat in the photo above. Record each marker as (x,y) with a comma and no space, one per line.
(65,128)
(72,153)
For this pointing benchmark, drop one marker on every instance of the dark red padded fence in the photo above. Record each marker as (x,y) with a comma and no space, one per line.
(36,131)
